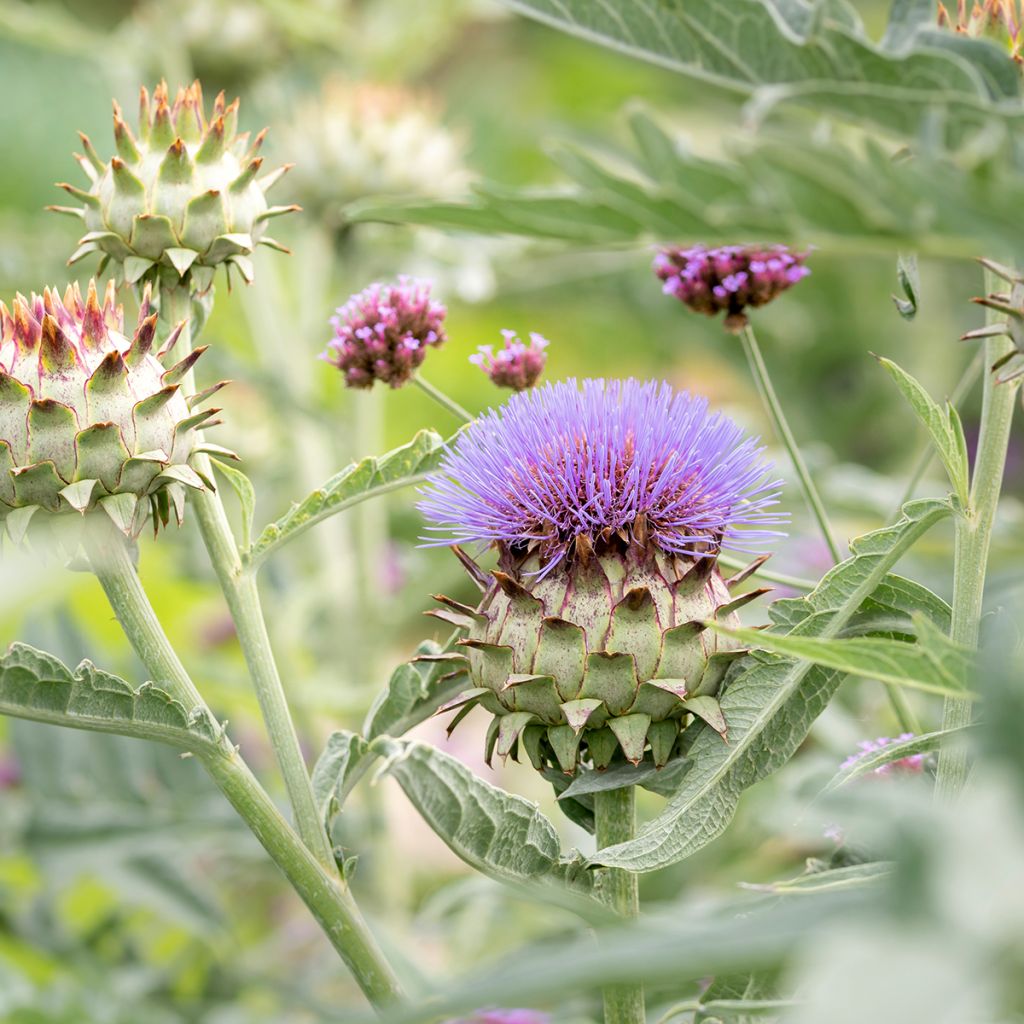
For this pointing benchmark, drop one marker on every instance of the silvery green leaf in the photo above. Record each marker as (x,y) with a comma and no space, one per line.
(871,762)
(498,833)
(335,771)
(361,481)
(943,426)
(39,687)
(243,487)
(936,665)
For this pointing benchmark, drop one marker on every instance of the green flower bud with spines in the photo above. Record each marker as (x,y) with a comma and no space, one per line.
(179,200)
(89,419)
(610,656)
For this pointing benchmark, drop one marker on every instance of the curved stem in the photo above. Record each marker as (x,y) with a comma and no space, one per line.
(326,896)
(974,535)
(778,418)
(442,399)
(242,596)
(615,822)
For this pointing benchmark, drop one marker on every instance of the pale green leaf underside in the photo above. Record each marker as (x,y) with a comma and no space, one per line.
(939,667)
(943,426)
(372,476)
(415,691)
(770,705)
(813,882)
(780,50)
(335,771)
(498,833)
(39,687)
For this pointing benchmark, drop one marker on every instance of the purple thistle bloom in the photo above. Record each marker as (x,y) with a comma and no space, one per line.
(911,764)
(383,333)
(517,365)
(729,278)
(614,458)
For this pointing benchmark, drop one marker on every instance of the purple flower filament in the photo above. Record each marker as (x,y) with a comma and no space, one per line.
(637,461)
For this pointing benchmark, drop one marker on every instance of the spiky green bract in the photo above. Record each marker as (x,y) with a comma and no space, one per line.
(607,504)
(604,659)
(181,198)
(88,418)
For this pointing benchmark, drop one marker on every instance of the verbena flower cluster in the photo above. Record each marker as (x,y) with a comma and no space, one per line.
(910,764)
(730,278)
(607,458)
(383,333)
(518,365)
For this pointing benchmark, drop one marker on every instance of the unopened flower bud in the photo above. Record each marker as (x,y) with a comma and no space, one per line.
(179,199)
(730,278)
(384,332)
(518,365)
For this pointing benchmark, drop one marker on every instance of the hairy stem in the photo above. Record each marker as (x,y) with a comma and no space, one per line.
(323,892)
(615,820)
(778,418)
(974,535)
(442,399)
(242,596)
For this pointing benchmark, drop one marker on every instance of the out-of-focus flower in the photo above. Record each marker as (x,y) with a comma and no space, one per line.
(88,418)
(912,764)
(359,139)
(730,278)
(505,1017)
(608,505)
(383,333)
(10,771)
(996,19)
(182,198)
(518,365)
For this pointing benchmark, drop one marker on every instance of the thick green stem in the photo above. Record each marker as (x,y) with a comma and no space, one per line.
(974,535)
(326,896)
(442,399)
(242,596)
(615,821)
(323,892)
(778,418)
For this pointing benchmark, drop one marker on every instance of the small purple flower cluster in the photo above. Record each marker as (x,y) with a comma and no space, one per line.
(911,764)
(729,278)
(383,333)
(640,460)
(517,366)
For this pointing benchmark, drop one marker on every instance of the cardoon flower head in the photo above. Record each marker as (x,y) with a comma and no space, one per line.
(383,333)
(730,278)
(608,504)
(90,418)
(517,366)
(911,764)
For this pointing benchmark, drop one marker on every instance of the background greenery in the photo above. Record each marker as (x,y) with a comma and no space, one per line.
(127,890)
